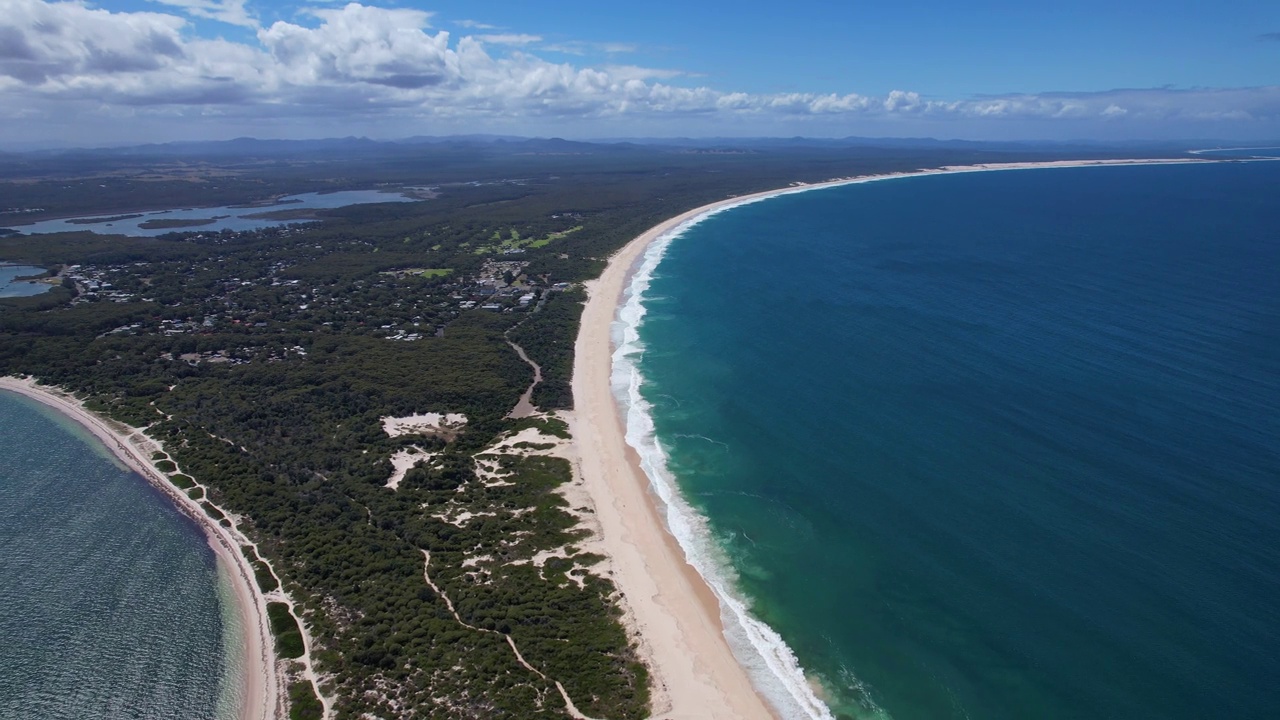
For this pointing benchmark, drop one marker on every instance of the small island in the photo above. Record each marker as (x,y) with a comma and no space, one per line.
(286,214)
(101,220)
(168,224)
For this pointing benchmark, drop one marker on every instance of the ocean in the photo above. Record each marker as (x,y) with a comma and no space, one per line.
(111,601)
(996,445)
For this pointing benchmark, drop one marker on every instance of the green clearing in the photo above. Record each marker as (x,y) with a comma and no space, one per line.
(285,628)
(303,703)
(515,242)
(554,236)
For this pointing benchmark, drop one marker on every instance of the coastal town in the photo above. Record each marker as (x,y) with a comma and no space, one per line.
(402,304)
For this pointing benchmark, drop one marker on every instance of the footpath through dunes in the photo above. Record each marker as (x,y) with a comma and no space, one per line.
(264,695)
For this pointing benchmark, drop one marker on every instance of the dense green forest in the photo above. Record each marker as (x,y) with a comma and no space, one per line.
(264,362)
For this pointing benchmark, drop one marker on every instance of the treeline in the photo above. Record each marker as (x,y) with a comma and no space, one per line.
(548,337)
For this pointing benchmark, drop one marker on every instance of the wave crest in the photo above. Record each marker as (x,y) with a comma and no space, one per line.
(770,663)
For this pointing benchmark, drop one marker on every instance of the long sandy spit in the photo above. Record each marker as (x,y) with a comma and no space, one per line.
(671,609)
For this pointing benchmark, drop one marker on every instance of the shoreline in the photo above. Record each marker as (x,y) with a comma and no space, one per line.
(678,619)
(261,698)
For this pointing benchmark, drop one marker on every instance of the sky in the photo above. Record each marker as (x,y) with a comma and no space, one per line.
(124,71)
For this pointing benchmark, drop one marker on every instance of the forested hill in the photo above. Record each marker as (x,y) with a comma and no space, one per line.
(265,362)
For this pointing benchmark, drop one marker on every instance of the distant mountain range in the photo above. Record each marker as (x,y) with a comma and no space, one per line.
(509,144)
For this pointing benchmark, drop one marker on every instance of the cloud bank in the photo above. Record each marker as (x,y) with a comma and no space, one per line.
(361,61)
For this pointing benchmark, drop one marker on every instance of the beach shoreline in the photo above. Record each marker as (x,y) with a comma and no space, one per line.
(677,619)
(261,696)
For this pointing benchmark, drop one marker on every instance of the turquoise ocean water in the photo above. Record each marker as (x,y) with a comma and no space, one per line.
(997,445)
(111,602)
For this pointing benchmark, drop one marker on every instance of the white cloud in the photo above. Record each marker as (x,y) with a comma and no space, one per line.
(55,44)
(624,73)
(578,47)
(509,39)
(357,61)
(473,25)
(227,11)
(360,45)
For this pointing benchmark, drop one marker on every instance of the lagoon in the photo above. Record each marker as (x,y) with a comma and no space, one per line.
(11,287)
(213,219)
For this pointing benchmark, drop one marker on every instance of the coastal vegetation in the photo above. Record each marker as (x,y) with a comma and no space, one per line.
(265,362)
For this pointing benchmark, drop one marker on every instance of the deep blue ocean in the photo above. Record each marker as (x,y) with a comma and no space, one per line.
(998,445)
(111,603)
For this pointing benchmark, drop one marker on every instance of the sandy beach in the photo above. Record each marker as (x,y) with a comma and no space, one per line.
(261,697)
(669,606)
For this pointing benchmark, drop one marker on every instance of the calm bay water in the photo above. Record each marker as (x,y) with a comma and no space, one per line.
(996,445)
(111,602)
(10,287)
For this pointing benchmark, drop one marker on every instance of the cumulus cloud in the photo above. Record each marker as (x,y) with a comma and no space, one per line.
(59,45)
(360,45)
(357,60)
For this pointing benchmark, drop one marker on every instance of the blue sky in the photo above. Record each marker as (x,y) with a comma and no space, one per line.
(125,70)
(934,47)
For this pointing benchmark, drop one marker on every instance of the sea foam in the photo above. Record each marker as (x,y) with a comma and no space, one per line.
(771,664)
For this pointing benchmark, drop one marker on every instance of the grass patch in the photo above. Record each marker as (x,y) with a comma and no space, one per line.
(265,579)
(546,426)
(184,482)
(212,511)
(196,493)
(515,242)
(555,427)
(303,703)
(166,466)
(554,236)
(285,627)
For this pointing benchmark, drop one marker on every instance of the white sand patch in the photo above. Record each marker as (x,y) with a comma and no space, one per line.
(490,473)
(424,424)
(540,560)
(403,461)
(560,446)
(460,518)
